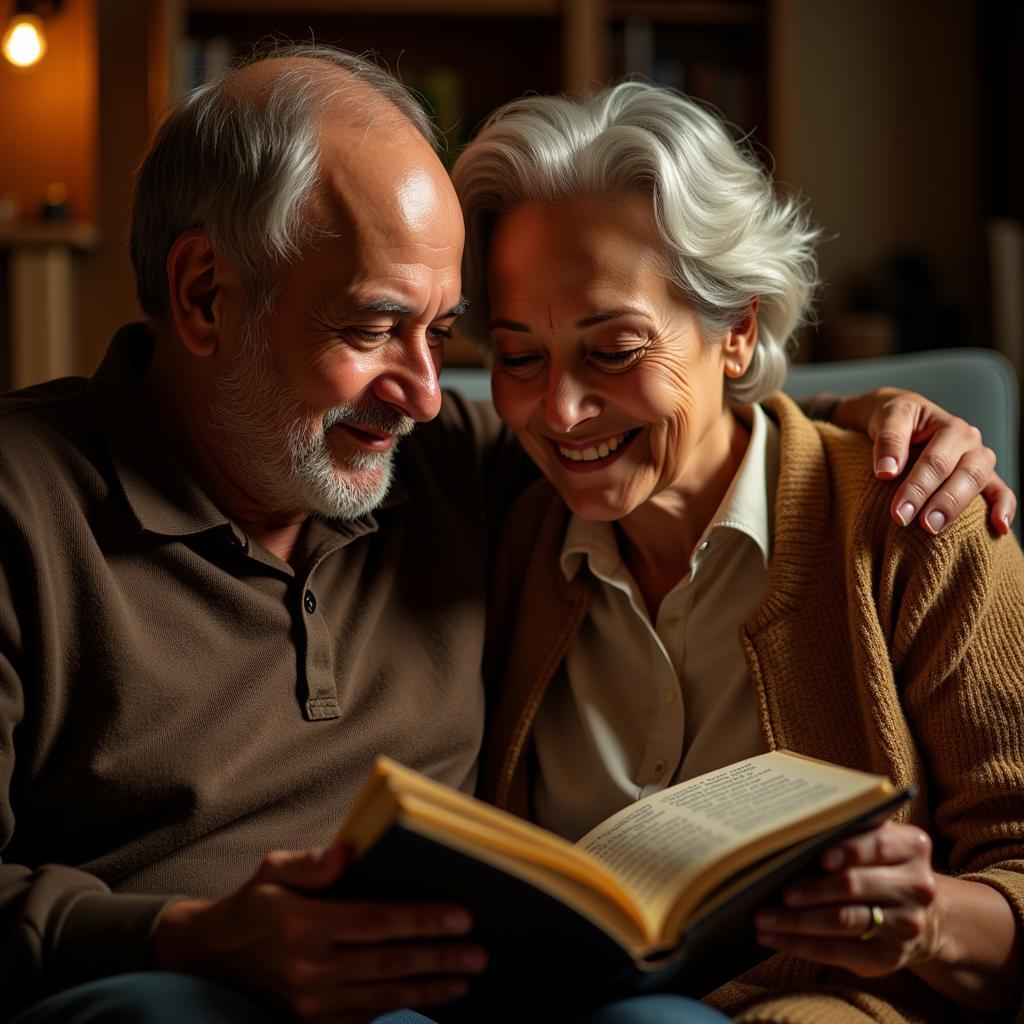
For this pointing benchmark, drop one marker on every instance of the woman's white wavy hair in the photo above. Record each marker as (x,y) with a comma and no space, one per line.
(727,236)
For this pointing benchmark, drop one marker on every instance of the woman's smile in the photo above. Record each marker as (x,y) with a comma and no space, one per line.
(593,453)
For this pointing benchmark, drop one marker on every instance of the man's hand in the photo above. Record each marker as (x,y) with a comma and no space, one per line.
(320,959)
(952,470)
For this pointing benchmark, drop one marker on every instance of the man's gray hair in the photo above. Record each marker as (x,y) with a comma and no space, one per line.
(243,167)
(726,235)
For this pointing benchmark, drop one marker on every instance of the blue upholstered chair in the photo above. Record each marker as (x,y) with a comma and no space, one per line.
(978,384)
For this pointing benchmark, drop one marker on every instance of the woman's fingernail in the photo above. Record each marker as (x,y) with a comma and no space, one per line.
(905,512)
(935,520)
(886,465)
(766,919)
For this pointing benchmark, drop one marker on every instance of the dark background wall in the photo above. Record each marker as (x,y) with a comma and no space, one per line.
(898,121)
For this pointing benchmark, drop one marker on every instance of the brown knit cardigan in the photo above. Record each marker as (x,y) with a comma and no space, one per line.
(876,647)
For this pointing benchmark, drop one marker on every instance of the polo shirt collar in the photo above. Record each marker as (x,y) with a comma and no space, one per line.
(747,508)
(164,498)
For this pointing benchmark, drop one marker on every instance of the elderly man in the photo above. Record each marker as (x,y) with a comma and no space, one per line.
(223,592)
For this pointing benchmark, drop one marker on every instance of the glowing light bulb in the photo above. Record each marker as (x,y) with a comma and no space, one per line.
(24,42)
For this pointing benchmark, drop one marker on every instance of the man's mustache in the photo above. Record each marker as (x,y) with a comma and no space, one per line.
(376,417)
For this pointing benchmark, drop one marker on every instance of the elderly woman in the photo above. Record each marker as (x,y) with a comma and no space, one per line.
(705,574)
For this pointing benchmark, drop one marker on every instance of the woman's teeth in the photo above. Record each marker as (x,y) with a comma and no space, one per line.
(600,451)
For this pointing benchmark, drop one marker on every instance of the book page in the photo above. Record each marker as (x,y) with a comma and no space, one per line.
(663,843)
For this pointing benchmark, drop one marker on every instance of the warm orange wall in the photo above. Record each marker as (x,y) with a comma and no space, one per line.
(48,114)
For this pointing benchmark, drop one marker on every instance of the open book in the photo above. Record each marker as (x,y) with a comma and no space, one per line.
(659,895)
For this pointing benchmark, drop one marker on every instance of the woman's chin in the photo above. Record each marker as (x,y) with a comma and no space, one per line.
(599,508)
(586,497)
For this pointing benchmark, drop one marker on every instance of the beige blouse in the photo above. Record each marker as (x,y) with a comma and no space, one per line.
(638,705)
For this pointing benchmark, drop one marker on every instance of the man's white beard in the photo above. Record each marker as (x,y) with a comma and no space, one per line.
(279,451)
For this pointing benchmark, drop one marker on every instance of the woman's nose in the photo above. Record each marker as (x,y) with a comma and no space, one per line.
(568,404)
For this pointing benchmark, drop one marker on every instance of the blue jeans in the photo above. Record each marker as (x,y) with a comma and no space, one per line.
(164,998)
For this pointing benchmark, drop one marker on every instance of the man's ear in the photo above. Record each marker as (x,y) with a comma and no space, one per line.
(194,292)
(740,341)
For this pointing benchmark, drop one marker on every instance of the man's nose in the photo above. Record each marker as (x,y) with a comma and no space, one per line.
(409,383)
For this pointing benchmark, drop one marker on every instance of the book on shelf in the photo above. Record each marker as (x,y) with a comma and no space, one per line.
(659,896)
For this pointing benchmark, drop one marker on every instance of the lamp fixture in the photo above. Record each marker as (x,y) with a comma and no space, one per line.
(24,40)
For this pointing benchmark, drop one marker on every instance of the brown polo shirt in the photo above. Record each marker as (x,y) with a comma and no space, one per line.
(174,699)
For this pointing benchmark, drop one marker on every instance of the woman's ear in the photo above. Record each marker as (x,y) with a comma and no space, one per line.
(740,341)
(194,293)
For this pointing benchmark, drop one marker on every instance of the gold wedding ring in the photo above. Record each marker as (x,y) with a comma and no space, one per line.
(877,920)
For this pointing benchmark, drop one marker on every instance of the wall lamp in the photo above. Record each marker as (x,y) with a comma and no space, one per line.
(24,39)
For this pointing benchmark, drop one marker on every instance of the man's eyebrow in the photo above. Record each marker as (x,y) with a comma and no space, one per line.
(383,306)
(397,309)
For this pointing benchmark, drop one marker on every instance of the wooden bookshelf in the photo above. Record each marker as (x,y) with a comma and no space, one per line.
(472,55)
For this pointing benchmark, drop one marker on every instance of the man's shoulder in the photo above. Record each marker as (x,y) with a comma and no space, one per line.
(467,458)
(466,437)
(865,502)
(49,415)
(47,432)
(472,423)
(39,403)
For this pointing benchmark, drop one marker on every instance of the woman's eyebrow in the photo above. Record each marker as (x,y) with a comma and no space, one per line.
(588,321)
(611,314)
(509,325)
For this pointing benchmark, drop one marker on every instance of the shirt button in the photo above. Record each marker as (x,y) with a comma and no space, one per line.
(704,546)
(309,602)
(659,768)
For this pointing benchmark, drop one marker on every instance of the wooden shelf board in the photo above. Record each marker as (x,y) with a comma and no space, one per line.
(75,234)
(384,8)
(694,12)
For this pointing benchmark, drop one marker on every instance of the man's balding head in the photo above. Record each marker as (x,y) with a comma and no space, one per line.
(242,160)
(300,244)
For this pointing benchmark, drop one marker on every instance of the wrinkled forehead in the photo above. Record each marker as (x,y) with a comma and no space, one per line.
(615,239)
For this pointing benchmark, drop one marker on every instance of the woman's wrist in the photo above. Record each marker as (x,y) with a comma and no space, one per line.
(973,954)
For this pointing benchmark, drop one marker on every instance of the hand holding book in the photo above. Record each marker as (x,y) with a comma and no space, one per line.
(314,958)
(869,910)
(661,895)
